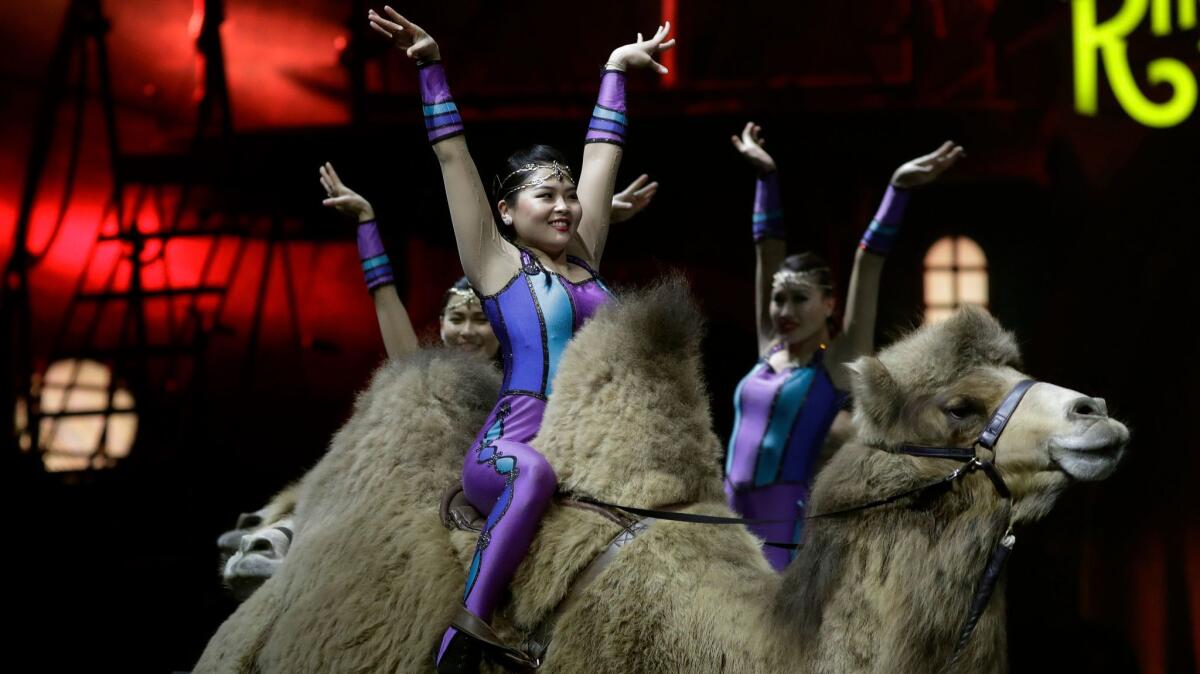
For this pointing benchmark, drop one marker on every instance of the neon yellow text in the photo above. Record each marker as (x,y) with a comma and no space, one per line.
(1095,41)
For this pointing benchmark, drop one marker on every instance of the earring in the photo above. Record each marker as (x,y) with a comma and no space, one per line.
(507,220)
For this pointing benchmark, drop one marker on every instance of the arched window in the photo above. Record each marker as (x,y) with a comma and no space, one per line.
(79,429)
(955,274)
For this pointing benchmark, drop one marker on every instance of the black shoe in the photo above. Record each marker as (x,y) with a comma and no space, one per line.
(462,656)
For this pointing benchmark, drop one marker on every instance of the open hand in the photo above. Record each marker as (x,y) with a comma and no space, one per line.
(405,35)
(926,169)
(750,145)
(343,198)
(640,54)
(631,200)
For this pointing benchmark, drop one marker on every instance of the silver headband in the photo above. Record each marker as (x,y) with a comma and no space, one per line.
(556,171)
(459,297)
(799,280)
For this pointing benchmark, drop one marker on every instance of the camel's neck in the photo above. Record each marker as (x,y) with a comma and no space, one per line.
(894,584)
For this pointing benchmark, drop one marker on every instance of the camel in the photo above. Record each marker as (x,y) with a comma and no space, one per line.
(374,577)
(251,551)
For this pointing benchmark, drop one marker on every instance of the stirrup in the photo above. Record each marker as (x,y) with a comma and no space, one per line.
(473,626)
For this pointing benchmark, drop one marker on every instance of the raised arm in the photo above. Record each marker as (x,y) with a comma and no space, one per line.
(604,140)
(858,329)
(486,257)
(399,338)
(767,227)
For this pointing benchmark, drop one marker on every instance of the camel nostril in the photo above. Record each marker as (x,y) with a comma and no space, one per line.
(249,521)
(1088,407)
(260,545)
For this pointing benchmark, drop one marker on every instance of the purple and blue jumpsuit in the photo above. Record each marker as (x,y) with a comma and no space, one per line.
(534,316)
(782,418)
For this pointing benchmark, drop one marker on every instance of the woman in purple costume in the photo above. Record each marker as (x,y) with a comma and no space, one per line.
(787,403)
(538,284)
(462,324)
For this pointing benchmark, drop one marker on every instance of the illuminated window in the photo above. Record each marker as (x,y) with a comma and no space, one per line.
(79,429)
(955,274)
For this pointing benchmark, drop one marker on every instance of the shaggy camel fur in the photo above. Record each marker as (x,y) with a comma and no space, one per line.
(366,517)
(883,591)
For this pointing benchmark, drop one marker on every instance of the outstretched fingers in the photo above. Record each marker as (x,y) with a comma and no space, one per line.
(333,176)
(638,183)
(946,156)
(380,29)
(661,34)
(396,16)
(389,28)
(656,45)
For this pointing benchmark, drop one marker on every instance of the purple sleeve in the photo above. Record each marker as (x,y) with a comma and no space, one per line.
(885,226)
(767,222)
(377,269)
(442,120)
(608,117)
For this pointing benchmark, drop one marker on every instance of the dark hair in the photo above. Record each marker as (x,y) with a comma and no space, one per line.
(460,284)
(507,178)
(811,263)
(822,276)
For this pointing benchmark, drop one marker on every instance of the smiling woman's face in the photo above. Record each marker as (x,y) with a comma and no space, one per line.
(544,216)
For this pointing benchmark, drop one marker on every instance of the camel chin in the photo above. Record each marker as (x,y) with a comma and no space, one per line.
(1092,455)
(246,573)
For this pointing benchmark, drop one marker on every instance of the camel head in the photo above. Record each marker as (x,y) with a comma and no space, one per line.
(251,551)
(940,385)
(231,540)
(258,557)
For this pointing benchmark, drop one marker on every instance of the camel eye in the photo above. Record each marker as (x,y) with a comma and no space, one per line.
(960,410)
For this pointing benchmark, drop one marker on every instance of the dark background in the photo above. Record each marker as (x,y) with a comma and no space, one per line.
(1089,225)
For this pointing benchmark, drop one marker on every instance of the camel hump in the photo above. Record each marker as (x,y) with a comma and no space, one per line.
(629,418)
(661,319)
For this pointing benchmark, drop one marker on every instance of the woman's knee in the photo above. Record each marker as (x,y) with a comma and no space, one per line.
(536,473)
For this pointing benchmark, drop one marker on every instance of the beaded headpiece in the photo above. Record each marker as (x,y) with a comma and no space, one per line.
(459,297)
(556,172)
(799,280)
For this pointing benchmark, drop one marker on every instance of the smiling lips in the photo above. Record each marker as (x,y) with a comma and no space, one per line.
(560,224)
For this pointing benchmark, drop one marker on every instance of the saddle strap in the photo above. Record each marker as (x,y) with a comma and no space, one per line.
(539,642)
(507,656)
(458,513)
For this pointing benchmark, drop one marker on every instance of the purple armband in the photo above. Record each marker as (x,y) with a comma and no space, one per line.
(608,117)
(768,212)
(884,227)
(377,269)
(442,120)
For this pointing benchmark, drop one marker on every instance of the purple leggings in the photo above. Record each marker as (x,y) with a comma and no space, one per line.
(775,502)
(512,483)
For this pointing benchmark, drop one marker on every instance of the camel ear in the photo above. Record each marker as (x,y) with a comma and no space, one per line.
(876,392)
(978,337)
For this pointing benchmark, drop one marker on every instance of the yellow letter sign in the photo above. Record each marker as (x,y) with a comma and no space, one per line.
(1108,39)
